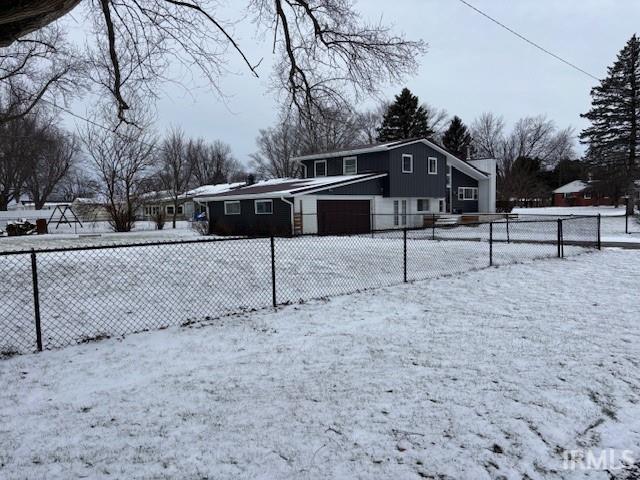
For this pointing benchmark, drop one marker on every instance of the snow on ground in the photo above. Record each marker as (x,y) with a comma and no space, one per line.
(107,292)
(98,233)
(490,374)
(613,220)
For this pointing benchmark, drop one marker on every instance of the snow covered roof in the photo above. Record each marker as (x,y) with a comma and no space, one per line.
(213,189)
(572,187)
(279,187)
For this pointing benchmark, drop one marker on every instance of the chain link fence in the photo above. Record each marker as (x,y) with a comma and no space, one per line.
(62,296)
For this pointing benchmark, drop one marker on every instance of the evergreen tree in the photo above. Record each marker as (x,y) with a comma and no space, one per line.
(614,115)
(457,138)
(405,118)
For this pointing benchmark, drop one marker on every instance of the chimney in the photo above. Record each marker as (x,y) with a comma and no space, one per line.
(251,179)
(468,152)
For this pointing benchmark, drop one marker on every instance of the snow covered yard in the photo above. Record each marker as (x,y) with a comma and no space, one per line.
(490,374)
(109,292)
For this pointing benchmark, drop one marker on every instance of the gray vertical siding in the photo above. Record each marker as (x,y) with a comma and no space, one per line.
(248,223)
(419,183)
(459,179)
(416,184)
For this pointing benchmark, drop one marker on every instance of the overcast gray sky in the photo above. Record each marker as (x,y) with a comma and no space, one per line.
(472,65)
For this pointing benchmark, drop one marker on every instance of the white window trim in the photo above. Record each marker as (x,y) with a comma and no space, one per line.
(435,170)
(428,200)
(344,160)
(463,197)
(255,206)
(315,168)
(587,195)
(410,156)
(229,202)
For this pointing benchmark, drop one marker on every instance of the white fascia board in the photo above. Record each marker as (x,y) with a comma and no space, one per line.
(343,153)
(338,184)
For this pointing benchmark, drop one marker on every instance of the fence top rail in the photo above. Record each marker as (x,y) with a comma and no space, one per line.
(106,246)
(397,230)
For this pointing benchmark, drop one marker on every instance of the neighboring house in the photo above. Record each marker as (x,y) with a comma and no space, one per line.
(26,203)
(90,209)
(187,208)
(585,194)
(389,185)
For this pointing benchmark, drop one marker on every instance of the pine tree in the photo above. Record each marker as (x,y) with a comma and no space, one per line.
(457,138)
(405,118)
(615,113)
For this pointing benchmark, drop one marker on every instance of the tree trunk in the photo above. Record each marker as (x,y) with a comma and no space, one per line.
(4,203)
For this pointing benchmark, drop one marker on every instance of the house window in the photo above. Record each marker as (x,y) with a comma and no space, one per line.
(423,205)
(232,207)
(567,195)
(449,176)
(320,168)
(396,211)
(587,195)
(180,209)
(349,166)
(407,163)
(264,207)
(152,210)
(467,193)
(169,209)
(442,205)
(433,166)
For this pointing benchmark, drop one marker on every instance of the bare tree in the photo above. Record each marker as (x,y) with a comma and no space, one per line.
(532,138)
(16,146)
(325,51)
(437,119)
(175,168)
(330,129)
(78,183)
(211,163)
(122,160)
(56,152)
(276,147)
(33,66)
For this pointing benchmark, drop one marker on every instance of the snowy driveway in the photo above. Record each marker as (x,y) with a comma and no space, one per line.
(490,374)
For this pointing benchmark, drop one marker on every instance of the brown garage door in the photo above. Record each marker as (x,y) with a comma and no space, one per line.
(343,216)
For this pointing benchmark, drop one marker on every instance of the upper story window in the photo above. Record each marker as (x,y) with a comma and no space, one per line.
(407,163)
(320,168)
(433,166)
(232,207)
(467,193)
(349,166)
(264,207)
(449,176)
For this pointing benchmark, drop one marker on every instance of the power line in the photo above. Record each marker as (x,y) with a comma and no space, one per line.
(530,42)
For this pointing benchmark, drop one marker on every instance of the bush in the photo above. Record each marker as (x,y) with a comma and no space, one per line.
(202,227)
(159,219)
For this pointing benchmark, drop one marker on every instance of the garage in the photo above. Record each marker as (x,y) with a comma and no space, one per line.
(336,217)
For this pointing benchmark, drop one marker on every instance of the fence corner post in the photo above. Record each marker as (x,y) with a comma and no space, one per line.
(599,231)
(36,299)
(491,244)
(404,242)
(508,236)
(273,273)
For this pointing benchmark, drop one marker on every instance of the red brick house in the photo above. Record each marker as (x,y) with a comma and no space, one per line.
(579,194)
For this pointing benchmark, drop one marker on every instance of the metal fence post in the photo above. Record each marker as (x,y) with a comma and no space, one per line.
(273,273)
(404,241)
(36,299)
(508,239)
(561,239)
(626,217)
(599,232)
(491,244)
(559,236)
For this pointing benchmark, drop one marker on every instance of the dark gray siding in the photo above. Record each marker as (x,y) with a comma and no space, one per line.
(377,186)
(367,163)
(419,183)
(416,184)
(248,223)
(459,179)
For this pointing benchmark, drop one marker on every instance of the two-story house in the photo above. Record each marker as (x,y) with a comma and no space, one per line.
(389,185)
